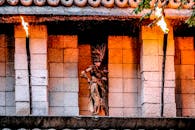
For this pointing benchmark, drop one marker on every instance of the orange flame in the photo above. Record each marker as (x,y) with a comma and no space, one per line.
(161,22)
(25,26)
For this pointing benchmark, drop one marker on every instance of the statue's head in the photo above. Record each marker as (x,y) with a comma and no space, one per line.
(98,52)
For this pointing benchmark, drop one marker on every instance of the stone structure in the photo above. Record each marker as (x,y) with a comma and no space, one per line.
(60,48)
(134,65)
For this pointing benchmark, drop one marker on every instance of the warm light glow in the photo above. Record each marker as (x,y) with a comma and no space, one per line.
(25,26)
(161,22)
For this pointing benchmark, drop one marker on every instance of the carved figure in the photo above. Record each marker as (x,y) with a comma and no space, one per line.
(97,83)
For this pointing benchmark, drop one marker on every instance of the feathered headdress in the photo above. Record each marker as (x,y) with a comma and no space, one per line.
(98,52)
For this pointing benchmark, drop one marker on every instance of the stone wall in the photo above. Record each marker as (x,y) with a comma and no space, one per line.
(151,73)
(123,64)
(135,74)
(185,75)
(7,91)
(84,61)
(63,75)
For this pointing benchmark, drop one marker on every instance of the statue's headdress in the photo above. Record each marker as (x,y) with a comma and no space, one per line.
(98,52)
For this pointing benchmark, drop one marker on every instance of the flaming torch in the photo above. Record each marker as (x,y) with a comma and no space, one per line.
(161,22)
(25,26)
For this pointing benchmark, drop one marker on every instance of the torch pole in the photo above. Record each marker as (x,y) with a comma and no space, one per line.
(163,72)
(29,70)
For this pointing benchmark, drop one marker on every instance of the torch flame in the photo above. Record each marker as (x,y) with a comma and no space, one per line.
(25,26)
(161,22)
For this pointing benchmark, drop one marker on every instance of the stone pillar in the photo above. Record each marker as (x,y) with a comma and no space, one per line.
(123,78)
(22,96)
(63,75)
(39,71)
(84,61)
(185,76)
(151,73)
(2,73)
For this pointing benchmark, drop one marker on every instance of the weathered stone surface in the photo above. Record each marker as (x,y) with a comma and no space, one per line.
(56,111)
(187,86)
(130,100)
(38,45)
(56,41)
(150,47)
(55,55)
(70,41)
(150,110)
(116,112)
(71,111)
(115,56)
(39,93)
(39,77)
(149,63)
(129,85)
(56,99)
(184,43)
(129,71)
(40,108)
(2,69)
(71,99)
(70,70)
(35,30)
(71,55)
(2,83)
(20,45)
(56,84)
(39,61)
(56,70)
(21,77)
(115,99)
(115,70)
(2,110)
(2,98)
(10,69)
(130,112)
(187,57)
(22,93)
(115,42)
(71,85)
(115,85)
(130,56)
(10,111)
(22,108)
(20,61)
(10,99)
(170,109)
(184,71)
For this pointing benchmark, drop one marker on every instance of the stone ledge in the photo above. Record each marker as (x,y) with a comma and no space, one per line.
(40,14)
(59,122)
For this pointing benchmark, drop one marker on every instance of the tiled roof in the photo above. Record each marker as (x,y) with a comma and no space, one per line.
(94,3)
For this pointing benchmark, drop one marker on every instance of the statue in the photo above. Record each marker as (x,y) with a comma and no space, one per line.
(97,82)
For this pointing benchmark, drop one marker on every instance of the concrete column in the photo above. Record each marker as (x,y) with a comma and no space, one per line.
(151,72)
(39,71)
(22,96)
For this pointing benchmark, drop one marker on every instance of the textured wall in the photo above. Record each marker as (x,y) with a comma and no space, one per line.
(185,75)
(63,75)
(7,91)
(123,64)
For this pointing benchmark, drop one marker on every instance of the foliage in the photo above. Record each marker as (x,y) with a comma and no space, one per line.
(145,4)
